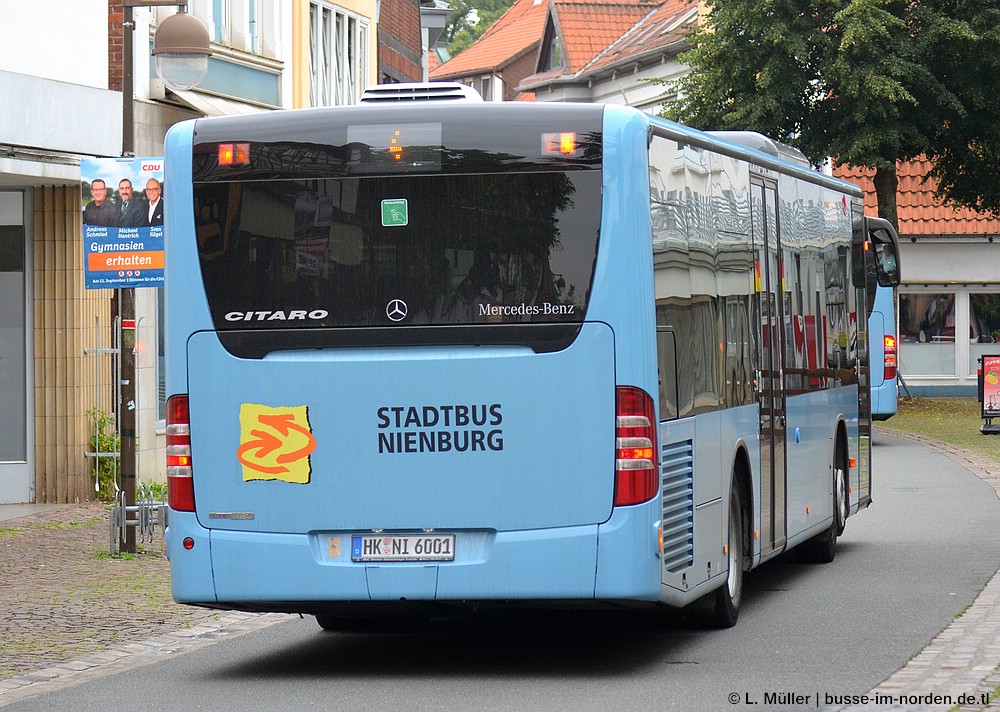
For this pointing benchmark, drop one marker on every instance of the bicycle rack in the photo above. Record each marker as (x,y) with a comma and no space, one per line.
(146,515)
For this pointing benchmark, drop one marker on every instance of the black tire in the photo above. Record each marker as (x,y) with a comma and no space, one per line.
(822,549)
(729,596)
(345,624)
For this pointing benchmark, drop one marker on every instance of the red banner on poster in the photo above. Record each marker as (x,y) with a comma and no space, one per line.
(991,386)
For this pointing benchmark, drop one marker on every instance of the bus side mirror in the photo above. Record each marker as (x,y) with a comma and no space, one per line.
(885,243)
(886,257)
(888,266)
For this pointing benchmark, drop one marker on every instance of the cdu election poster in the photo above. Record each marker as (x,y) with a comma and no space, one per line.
(122,222)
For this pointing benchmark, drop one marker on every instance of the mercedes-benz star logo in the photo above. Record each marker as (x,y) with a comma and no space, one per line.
(396,310)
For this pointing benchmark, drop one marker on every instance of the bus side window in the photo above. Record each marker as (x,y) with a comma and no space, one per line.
(666,360)
(886,246)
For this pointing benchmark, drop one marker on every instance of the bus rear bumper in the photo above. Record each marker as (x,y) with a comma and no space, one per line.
(297,572)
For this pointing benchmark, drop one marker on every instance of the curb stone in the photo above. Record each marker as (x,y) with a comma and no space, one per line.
(134,655)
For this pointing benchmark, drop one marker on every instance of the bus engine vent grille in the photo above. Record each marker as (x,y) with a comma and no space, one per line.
(429,91)
(677,474)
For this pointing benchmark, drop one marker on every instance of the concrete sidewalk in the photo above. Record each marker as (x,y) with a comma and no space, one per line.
(71,613)
(16,511)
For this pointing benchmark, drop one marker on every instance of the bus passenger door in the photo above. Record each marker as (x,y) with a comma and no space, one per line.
(770,371)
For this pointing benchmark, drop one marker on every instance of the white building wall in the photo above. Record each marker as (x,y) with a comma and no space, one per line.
(61,117)
(63,40)
(950,260)
(643,89)
(54,77)
(959,268)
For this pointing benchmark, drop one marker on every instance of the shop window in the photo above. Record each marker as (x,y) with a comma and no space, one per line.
(984,326)
(927,333)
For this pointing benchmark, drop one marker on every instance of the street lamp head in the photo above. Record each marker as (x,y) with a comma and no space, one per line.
(181,46)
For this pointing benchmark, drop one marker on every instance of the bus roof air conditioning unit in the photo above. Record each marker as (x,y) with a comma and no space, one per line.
(429,91)
(764,144)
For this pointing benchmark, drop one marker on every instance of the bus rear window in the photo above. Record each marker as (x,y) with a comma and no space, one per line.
(399,251)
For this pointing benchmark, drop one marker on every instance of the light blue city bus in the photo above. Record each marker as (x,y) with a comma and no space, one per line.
(882,340)
(426,358)
(882,335)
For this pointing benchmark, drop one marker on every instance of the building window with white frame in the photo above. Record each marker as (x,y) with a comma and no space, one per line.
(944,330)
(236,23)
(221,10)
(253,27)
(339,49)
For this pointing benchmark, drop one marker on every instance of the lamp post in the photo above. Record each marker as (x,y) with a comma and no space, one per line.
(181,46)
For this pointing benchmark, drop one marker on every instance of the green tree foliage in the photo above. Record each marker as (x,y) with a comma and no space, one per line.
(469,19)
(868,82)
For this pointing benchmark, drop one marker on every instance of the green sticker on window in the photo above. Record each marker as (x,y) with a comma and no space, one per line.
(394,213)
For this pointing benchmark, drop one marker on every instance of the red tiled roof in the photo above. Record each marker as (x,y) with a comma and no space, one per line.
(920,212)
(660,28)
(517,31)
(541,77)
(588,27)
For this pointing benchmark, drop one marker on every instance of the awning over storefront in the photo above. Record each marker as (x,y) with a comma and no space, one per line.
(211,105)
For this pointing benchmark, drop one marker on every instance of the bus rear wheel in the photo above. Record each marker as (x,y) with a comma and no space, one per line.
(726,609)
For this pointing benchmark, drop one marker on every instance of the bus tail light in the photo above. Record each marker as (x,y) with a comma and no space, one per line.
(636,460)
(890,357)
(180,483)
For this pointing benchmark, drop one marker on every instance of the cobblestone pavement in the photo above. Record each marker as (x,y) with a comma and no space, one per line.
(71,613)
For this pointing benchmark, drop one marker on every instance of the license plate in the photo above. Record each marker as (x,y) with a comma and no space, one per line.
(403,547)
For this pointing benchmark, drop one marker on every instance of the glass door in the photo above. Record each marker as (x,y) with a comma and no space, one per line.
(771,375)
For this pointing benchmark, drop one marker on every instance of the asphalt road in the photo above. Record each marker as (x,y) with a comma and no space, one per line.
(904,569)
